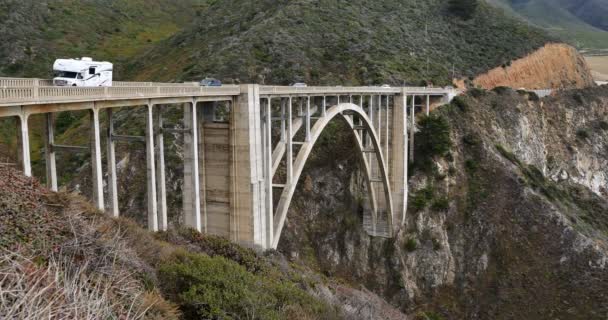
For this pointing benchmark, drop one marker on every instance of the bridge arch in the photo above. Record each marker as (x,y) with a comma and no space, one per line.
(304,153)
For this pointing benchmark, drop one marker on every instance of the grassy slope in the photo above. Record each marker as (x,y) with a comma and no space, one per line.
(558,20)
(330,42)
(58,251)
(37,32)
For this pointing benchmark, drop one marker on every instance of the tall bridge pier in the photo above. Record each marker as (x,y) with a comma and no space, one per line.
(234,168)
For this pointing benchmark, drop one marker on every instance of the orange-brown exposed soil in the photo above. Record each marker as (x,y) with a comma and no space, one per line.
(555,65)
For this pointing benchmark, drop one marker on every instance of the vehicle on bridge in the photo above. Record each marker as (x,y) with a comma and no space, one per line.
(210,82)
(82,73)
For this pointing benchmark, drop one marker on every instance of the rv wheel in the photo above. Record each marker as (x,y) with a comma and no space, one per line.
(73,85)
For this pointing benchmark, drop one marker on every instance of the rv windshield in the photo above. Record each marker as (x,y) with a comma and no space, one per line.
(66,74)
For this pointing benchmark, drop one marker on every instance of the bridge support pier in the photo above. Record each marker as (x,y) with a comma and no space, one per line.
(151,170)
(25,145)
(111,155)
(49,153)
(412,127)
(191,191)
(399,156)
(161,186)
(96,160)
(248,220)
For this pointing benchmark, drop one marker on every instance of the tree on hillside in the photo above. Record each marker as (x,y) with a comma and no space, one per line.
(463,8)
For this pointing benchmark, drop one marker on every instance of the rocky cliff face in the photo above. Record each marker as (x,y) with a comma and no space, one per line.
(555,66)
(511,224)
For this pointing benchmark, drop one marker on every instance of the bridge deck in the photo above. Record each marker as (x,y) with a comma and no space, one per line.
(20,91)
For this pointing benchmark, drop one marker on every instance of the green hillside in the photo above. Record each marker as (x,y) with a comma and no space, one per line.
(338,42)
(35,32)
(581,23)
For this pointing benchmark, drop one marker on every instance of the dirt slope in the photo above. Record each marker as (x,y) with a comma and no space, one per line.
(555,66)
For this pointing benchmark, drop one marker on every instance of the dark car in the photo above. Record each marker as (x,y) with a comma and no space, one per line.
(210,82)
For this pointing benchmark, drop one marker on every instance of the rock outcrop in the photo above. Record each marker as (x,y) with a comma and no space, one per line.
(511,224)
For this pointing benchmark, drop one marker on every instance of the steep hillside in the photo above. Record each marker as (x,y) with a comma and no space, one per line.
(61,259)
(511,223)
(35,32)
(557,66)
(581,23)
(338,42)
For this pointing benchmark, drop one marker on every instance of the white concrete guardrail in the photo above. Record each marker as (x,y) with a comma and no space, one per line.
(36,94)
(32,82)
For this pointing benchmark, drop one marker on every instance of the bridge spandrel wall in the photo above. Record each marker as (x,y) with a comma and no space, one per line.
(216,177)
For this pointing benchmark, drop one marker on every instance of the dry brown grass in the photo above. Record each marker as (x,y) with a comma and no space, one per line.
(66,260)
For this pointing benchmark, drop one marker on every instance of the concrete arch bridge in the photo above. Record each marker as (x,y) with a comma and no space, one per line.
(231,164)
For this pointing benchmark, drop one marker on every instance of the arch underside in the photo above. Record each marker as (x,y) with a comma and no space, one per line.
(376,223)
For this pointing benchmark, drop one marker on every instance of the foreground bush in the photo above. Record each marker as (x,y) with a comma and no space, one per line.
(216,288)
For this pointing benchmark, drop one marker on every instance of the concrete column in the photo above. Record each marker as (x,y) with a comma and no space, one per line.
(386,134)
(289,164)
(412,126)
(380,119)
(51,166)
(307,120)
(112,174)
(324,107)
(96,160)
(248,209)
(428,104)
(151,170)
(268,172)
(283,126)
(25,145)
(161,186)
(191,195)
(399,156)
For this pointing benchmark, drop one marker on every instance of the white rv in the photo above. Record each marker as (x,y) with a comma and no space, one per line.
(82,73)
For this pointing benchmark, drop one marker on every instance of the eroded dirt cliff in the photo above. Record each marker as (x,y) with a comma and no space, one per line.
(555,66)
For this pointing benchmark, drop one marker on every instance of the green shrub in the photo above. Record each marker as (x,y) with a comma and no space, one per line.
(509,155)
(422,197)
(582,134)
(464,9)
(437,244)
(216,288)
(461,103)
(411,245)
(471,165)
(578,97)
(433,139)
(471,139)
(217,246)
(441,204)
(502,90)
(532,96)
(477,92)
